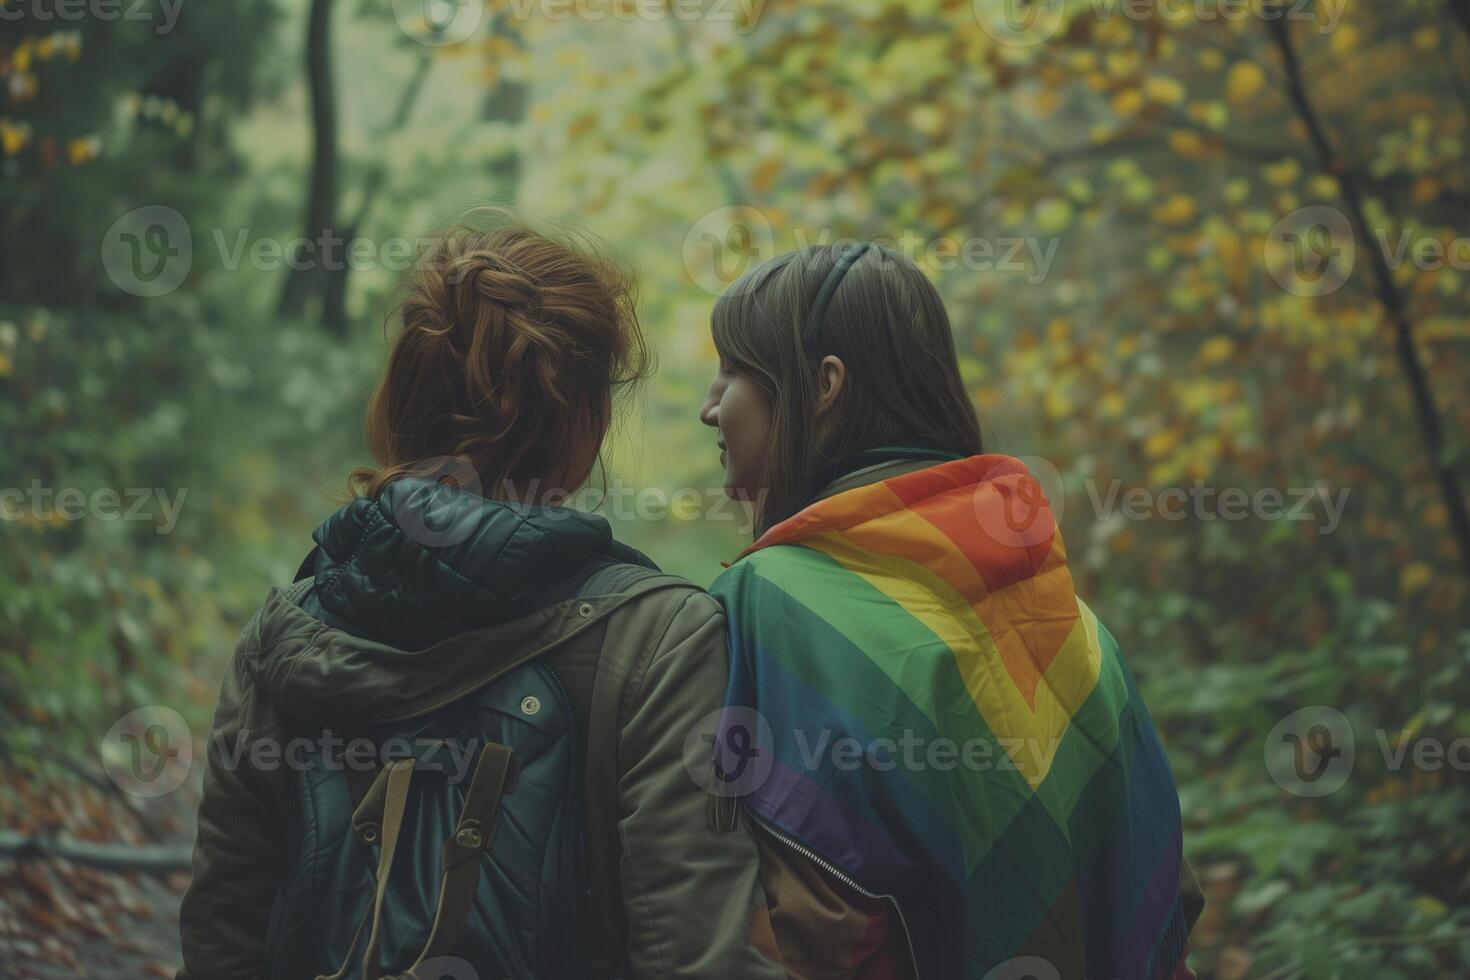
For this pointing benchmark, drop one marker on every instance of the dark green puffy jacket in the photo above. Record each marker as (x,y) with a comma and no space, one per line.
(417,597)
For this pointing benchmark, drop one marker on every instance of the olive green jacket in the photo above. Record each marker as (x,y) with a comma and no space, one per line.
(394,626)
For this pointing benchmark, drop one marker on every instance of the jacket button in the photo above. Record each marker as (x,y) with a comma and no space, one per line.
(530,704)
(469,839)
(585,610)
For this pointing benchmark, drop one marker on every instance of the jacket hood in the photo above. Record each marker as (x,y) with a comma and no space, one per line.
(422,590)
(424,561)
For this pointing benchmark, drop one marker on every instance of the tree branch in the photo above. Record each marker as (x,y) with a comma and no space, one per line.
(159,859)
(1430,428)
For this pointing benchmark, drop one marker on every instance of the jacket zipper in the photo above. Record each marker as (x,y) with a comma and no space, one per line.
(847,880)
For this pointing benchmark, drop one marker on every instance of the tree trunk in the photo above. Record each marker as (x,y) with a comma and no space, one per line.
(1460,10)
(1431,429)
(506,103)
(319,263)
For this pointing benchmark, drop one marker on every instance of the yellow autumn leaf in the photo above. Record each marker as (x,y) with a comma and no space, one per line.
(1237,190)
(1323,186)
(1161,443)
(1053,214)
(1243,82)
(1217,350)
(765,175)
(1128,102)
(1186,143)
(1282,173)
(13,138)
(1058,404)
(1414,576)
(79,151)
(1122,62)
(1178,209)
(1164,90)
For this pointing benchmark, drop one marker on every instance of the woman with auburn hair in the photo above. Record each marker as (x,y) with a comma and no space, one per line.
(469,673)
(952,771)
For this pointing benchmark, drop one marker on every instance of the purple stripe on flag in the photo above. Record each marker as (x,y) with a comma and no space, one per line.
(1155,906)
(791,801)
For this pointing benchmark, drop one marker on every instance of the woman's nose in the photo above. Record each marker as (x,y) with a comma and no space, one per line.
(709,411)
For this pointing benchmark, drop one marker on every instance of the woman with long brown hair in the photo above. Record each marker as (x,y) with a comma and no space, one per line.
(952,771)
(455,745)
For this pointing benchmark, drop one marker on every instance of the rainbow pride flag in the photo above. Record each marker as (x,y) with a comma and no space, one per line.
(952,729)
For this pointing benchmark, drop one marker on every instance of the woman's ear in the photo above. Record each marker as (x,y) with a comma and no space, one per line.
(831,373)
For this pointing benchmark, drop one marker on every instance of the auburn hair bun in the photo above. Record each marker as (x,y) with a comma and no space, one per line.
(509,341)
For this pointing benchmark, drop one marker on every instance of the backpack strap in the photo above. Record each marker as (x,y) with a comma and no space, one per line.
(495,775)
(613,578)
(379,818)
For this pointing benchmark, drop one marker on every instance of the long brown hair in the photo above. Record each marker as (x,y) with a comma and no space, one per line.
(886,322)
(510,341)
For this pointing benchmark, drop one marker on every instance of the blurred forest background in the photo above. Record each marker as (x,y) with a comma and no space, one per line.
(1172,317)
